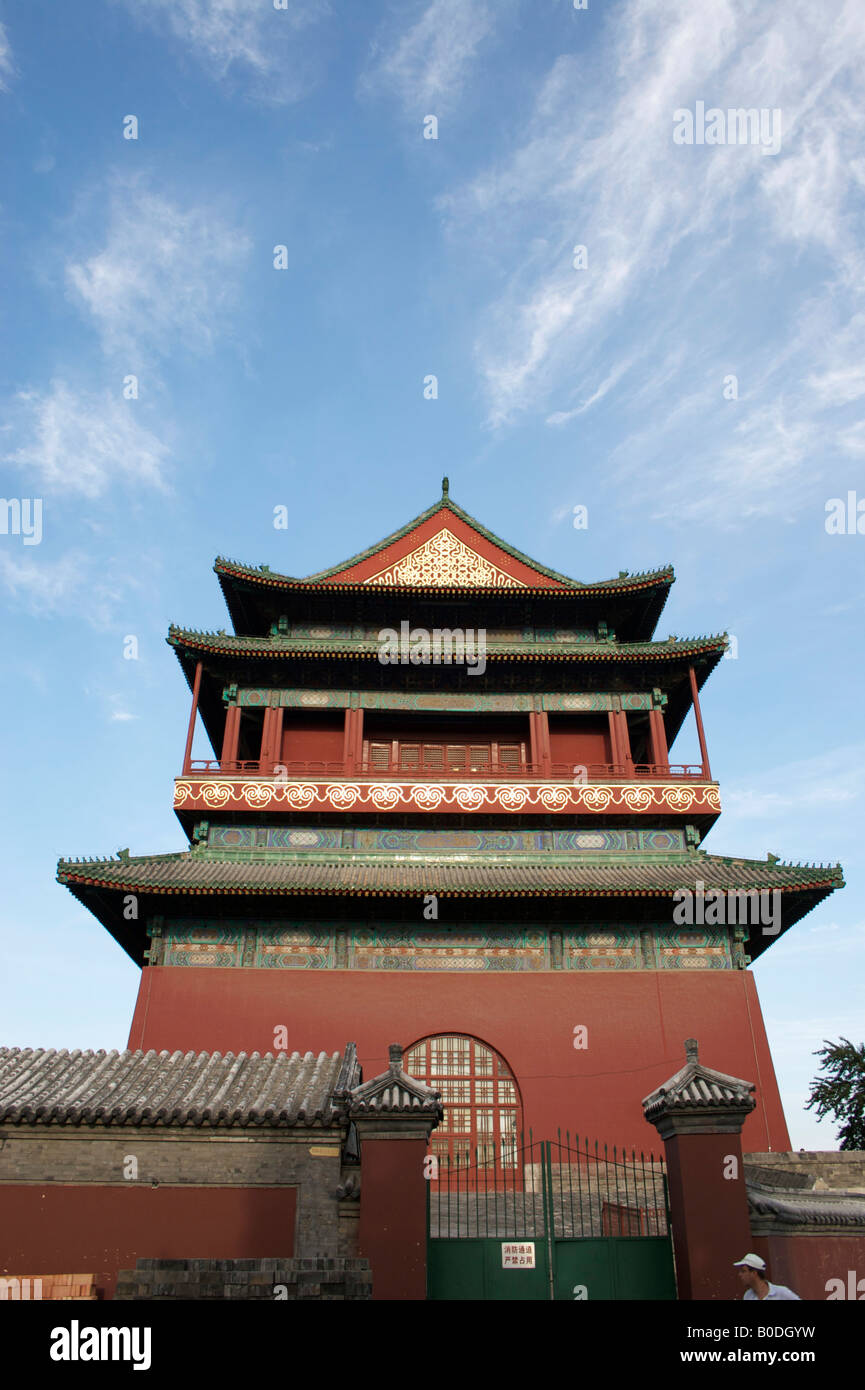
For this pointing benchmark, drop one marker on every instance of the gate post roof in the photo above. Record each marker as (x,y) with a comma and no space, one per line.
(699,1100)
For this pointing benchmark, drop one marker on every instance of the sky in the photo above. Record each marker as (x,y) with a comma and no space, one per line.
(318,256)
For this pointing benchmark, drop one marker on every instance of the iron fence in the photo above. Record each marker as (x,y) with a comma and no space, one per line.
(569,1189)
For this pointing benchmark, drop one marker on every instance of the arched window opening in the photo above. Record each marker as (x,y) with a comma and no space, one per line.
(479,1095)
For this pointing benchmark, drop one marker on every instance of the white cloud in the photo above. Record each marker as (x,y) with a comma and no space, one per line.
(71,442)
(806,811)
(78,584)
(166,275)
(427,64)
(563,417)
(695,255)
(7,67)
(43,587)
(250,36)
(834,777)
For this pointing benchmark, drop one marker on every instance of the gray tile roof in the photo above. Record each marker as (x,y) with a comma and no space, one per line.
(394,1091)
(46,1086)
(696,1087)
(210,872)
(807,1208)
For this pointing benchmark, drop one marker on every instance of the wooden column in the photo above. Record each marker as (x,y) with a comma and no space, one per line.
(264,757)
(704,752)
(347,744)
(624,737)
(534,744)
(196,687)
(658,740)
(615,751)
(358,739)
(271,739)
(231,735)
(544,740)
(276,746)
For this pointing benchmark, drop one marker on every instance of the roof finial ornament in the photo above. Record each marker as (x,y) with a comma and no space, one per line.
(445,487)
(691,1053)
(395,1058)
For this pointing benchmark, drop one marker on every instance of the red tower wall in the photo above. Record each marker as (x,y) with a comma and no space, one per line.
(637,1022)
(310,739)
(584,742)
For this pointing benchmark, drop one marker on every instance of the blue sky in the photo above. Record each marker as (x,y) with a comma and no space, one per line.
(606,386)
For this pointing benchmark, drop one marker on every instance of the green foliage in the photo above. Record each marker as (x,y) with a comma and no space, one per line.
(841,1091)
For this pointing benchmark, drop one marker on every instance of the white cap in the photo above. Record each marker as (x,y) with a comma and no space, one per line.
(752,1261)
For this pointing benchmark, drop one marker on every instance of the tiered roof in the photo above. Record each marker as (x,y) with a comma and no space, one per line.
(443,551)
(202,873)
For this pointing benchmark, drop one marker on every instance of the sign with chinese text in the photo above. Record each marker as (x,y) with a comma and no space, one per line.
(518,1254)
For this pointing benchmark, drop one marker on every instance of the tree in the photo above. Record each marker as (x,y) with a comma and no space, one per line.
(841,1092)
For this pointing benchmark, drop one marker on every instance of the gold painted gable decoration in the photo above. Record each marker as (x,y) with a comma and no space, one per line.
(446,561)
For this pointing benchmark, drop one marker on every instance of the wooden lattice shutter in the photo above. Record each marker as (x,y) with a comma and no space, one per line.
(480,756)
(379,756)
(509,755)
(456,757)
(433,757)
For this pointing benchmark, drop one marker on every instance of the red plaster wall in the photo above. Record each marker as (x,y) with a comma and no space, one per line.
(806,1263)
(307,739)
(87,1229)
(637,1022)
(580,742)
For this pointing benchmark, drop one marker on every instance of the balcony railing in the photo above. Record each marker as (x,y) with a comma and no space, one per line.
(478,771)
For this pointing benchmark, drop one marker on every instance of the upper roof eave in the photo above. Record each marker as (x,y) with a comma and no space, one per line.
(228,570)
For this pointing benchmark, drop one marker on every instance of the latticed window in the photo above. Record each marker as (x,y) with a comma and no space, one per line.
(443,758)
(479,1095)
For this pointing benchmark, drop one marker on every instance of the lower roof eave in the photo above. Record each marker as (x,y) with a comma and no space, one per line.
(106,901)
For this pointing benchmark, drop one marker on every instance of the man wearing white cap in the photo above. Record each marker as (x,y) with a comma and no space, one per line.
(752,1273)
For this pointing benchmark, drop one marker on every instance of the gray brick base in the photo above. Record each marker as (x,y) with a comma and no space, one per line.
(319,1279)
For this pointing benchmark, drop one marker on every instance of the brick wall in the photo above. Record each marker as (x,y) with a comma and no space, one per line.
(290,1280)
(811,1170)
(250,1187)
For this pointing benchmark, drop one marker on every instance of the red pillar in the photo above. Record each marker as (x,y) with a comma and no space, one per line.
(264,757)
(544,739)
(614,739)
(394,1115)
(231,735)
(658,740)
(347,745)
(534,744)
(276,731)
(705,1174)
(358,739)
(196,687)
(624,737)
(704,753)
(392,1227)
(271,739)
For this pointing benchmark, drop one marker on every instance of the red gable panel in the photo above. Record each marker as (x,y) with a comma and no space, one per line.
(444,550)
